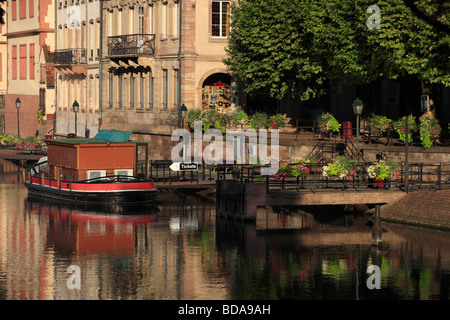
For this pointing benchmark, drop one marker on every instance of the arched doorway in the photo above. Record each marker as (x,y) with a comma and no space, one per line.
(217,92)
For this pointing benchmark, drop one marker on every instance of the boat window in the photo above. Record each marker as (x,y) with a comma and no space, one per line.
(123,174)
(94,174)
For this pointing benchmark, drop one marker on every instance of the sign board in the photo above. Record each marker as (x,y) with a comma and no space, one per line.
(184,166)
(424,103)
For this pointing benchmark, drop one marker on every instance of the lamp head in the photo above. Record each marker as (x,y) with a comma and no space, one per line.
(18,103)
(358,107)
(76,106)
(183,111)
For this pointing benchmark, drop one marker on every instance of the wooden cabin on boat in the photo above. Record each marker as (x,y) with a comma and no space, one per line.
(78,159)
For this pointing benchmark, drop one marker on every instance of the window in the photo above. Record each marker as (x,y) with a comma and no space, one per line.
(92,174)
(131,21)
(23,61)
(220,19)
(165,89)
(175,20)
(14,62)
(111,88)
(123,174)
(150,90)
(141,90)
(141,20)
(120,89)
(165,21)
(150,20)
(14,10)
(31,8)
(22,9)
(131,90)
(32,61)
(176,88)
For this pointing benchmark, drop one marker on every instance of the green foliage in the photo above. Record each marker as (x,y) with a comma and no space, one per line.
(192,116)
(430,130)
(294,47)
(378,124)
(258,120)
(277,121)
(223,121)
(291,170)
(309,159)
(383,169)
(207,119)
(40,113)
(343,167)
(400,124)
(15,141)
(326,123)
(240,118)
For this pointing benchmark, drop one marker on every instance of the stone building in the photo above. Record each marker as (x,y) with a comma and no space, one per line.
(158,55)
(30,42)
(77,65)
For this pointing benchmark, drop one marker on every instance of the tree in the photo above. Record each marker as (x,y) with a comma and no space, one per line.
(412,44)
(294,47)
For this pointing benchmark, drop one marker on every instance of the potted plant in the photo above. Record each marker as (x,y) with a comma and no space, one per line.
(327,123)
(382,170)
(258,120)
(378,124)
(240,118)
(277,121)
(291,170)
(207,119)
(40,113)
(399,126)
(222,121)
(430,130)
(192,116)
(342,167)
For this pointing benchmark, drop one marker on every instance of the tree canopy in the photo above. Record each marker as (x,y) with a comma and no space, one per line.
(295,46)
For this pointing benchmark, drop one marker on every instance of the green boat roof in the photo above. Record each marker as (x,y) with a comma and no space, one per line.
(113,135)
(103,136)
(84,141)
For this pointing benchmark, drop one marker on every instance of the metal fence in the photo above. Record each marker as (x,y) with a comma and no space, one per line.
(415,176)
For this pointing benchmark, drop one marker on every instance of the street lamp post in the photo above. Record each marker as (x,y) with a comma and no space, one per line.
(183,114)
(357,110)
(18,123)
(76,108)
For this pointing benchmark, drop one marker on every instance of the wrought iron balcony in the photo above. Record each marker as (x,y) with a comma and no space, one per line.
(131,45)
(66,57)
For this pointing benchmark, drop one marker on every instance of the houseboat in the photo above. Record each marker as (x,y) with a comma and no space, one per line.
(91,170)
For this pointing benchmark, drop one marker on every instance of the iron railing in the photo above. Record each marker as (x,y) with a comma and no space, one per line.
(131,45)
(420,176)
(66,57)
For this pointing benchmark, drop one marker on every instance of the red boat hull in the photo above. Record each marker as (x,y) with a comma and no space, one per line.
(111,191)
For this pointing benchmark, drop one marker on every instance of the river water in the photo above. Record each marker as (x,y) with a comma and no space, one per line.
(178,249)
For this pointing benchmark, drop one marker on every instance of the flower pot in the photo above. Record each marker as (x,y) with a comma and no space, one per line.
(377,183)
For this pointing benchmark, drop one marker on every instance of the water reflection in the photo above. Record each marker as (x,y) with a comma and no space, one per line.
(178,249)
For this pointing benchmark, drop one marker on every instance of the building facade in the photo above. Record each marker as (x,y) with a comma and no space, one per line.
(77,58)
(158,55)
(30,43)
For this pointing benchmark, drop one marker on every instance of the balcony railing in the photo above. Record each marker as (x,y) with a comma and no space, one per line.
(65,57)
(131,45)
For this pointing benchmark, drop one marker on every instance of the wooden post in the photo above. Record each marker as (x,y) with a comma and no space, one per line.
(377,230)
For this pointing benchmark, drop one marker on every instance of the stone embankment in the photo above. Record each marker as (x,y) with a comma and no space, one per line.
(422,208)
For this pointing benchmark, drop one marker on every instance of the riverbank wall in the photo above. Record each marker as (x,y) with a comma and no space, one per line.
(429,209)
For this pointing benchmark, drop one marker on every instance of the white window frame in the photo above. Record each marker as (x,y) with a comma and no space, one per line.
(90,172)
(221,22)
